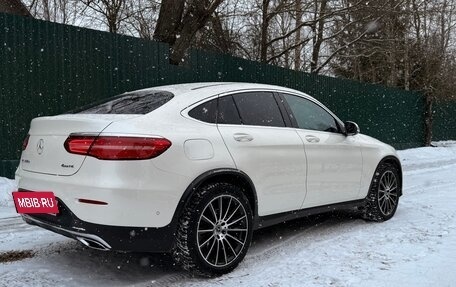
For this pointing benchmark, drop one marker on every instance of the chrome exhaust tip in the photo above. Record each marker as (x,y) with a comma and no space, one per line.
(94,244)
(89,240)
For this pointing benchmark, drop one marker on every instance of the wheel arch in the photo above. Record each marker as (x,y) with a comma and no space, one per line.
(228,175)
(397,163)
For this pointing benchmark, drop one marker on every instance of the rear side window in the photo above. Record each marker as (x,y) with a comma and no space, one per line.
(130,103)
(259,109)
(205,112)
(256,108)
(227,112)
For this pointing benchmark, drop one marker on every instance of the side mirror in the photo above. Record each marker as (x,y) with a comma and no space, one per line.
(351,128)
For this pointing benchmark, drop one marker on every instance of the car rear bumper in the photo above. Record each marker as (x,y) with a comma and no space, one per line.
(104,237)
(143,199)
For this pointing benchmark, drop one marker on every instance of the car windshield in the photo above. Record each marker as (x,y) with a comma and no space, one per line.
(129,103)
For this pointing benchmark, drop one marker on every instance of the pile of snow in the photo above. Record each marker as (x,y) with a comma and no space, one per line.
(445,143)
(7,186)
(429,157)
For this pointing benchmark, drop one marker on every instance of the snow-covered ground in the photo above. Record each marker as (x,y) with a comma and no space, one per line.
(6,200)
(415,248)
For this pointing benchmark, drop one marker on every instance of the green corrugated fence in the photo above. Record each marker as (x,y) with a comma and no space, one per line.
(48,68)
(444,126)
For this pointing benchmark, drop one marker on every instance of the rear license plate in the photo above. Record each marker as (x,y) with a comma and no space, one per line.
(35,202)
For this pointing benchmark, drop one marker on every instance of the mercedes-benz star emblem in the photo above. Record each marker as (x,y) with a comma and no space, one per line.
(40,146)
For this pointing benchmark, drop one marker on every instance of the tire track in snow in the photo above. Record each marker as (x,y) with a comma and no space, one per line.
(10,221)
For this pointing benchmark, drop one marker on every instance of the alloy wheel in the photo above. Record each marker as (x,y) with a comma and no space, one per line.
(222,230)
(387,193)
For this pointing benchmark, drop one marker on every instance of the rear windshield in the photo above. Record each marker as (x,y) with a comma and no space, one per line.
(129,103)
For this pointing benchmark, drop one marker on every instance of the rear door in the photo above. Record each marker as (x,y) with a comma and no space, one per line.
(334,161)
(270,153)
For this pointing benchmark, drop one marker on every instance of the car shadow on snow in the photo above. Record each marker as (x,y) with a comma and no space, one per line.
(276,235)
(87,265)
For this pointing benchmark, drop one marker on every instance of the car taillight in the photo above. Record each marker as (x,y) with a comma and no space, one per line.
(116,147)
(25,142)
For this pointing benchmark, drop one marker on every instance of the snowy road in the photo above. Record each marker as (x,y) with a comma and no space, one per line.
(415,248)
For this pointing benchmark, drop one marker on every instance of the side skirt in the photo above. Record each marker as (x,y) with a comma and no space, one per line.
(269,220)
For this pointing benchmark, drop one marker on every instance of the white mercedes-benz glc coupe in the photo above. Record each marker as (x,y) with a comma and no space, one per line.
(194,169)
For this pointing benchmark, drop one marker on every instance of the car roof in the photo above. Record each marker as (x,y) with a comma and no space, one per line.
(194,92)
(191,93)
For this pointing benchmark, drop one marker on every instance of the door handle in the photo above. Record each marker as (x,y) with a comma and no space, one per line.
(312,139)
(241,137)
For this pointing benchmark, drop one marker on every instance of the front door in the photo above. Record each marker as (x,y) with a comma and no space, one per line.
(254,132)
(334,160)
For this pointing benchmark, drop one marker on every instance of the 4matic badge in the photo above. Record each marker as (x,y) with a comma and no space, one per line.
(67,165)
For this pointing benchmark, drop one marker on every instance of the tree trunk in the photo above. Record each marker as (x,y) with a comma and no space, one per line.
(112,23)
(407,66)
(407,43)
(222,39)
(169,20)
(181,43)
(47,12)
(318,37)
(428,119)
(297,51)
(392,48)
(197,15)
(264,31)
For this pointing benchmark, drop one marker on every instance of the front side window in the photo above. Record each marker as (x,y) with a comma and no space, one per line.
(311,116)
(258,109)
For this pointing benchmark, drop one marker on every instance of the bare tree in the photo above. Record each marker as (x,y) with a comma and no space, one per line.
(143,17)
(269,10)
(178,23)
(435,68)
(411,48)
(112,10)
(216,36)
(61,11)
(299,26)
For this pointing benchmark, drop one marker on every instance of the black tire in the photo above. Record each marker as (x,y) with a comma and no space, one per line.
(194,227)
(382,201)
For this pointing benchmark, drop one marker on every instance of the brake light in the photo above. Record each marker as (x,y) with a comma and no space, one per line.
(25,142)
(116,147)
(79,144)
